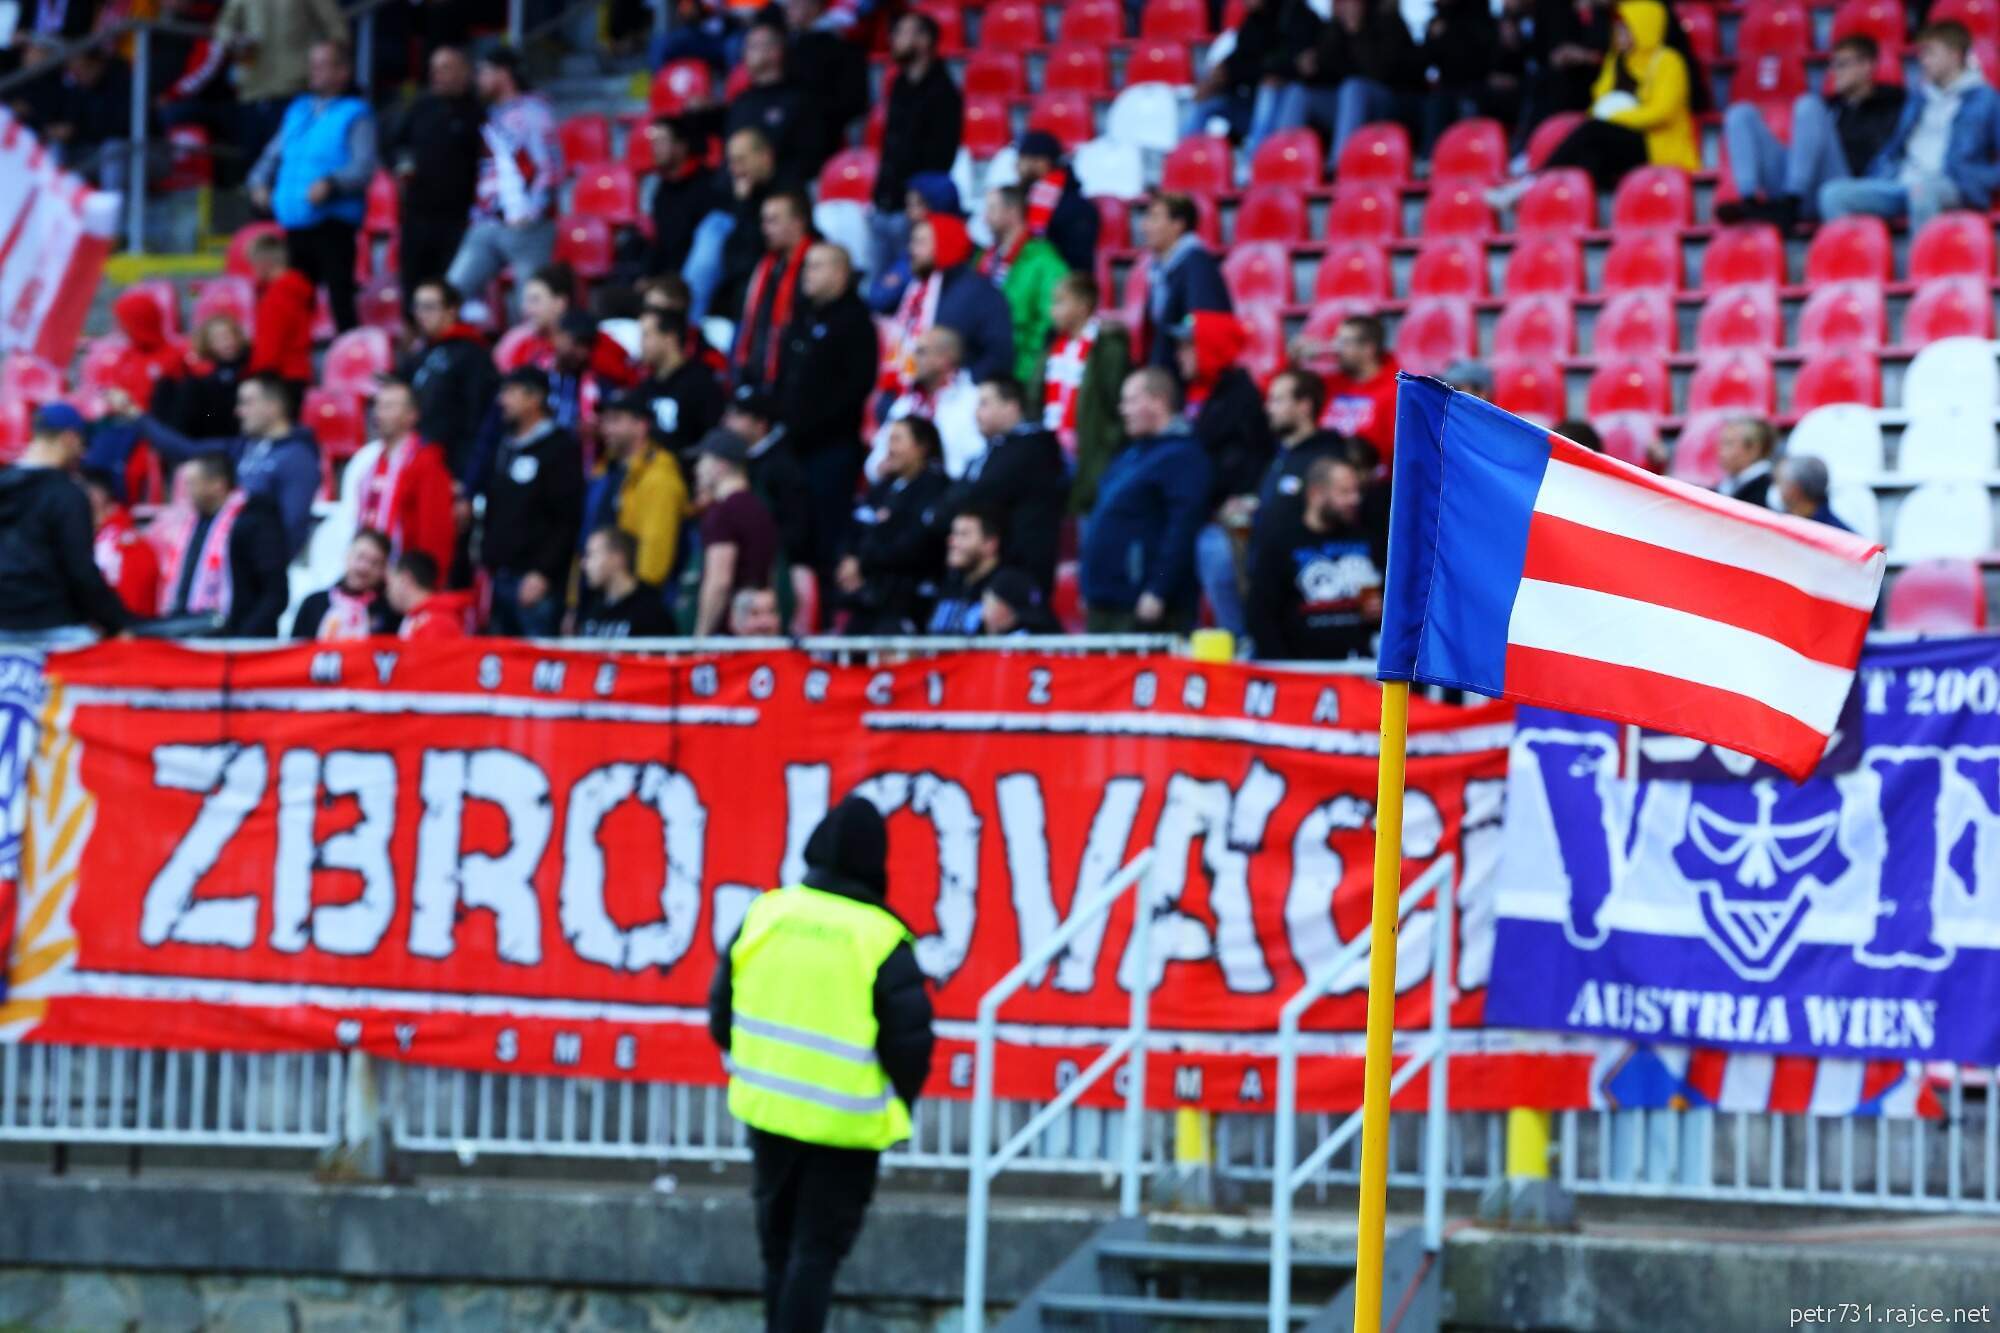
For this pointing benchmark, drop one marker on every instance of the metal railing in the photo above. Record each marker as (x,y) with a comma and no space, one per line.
(1129,1048)
(1434,1054)
(82,1094)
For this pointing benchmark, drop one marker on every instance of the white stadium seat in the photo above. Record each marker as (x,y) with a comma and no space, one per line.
(1953,372)
(1947,442)
(845,223)
(1108,167)
(1147,116)
(1847,437)
(1943,518)
(1855,504)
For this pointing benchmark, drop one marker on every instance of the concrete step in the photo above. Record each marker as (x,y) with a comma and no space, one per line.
(1152,1253)
(1173,1311)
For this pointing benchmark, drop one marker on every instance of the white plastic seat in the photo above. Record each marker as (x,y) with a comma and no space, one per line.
(1947,442)
(1855,504)
(1943,518)
(845,223)
(1953,372)
(1147,116)
(1108,167)
(1847,437)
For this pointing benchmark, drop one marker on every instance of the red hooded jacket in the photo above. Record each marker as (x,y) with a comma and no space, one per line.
(282,344)
(1219,340)
(442,615)
(150,355)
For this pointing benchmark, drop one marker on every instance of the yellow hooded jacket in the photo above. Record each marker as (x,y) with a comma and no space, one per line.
(1662,113)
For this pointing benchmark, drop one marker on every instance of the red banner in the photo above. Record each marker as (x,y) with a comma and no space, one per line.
(498,857)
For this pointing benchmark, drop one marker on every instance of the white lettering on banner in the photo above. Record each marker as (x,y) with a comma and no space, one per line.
(490,672)
(231,780)
(948,807)
(1481,836)
(547,677)
(1024,833)
(586,922)
(1326,709)
(326,668)
(1838,1020)
(354,928)
(1682,1015)
(447,876)
(808,796)
(1187,1083)
(1260,698)
(817,684)
(385,667)
(1317,870)
(606,679)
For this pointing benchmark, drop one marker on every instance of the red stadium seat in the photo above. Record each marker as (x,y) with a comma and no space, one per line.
(1949,308)
(1457,209)
(1011,25)
(1742,318)
(1449,268)
(987,127)
(1660,198)
(1880,19)
(1549,262)
(1942,596)
(1837,377)
(1076,67)
(585,140)
(1643,261)
(1753,252)
(1842,317)
(1099,22)
(1530,388)
(1258,274)
(1474,150)
(1156,61)
(610,192)
(1364,213)
(1322,325)
(877,124)
(16,426)
(1773,27)
(1628,386)
(1067,115)
(1264,341)
(232,297)
(1375,152)
(1952,245)
(1698,21)
(1637,323)
(335,419)
(1847,249)
(1629,437)
(1199,164)
(514,348)
(1697,457)
(1737,381)
(848,174)
(379,303)
(994,72)
(355,361)
(587,244)
(1770,82)
(1434,333)
(1980,17)
(1114,222)
(1549,134)
(950,19)
(1067,603)
(1208,220)
(1559,200)
(1290,158)
(236,261)
(30,379)
(638,155)
(1352,271)
(190,159)
(1271,213)
(99,362)
(680,82)
(1535,328)
(1175,20)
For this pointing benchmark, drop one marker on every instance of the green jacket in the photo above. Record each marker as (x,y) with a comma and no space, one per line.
(1031,284)
(1098,429)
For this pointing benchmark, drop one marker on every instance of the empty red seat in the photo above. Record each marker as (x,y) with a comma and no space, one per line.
(950,19)
(1474,150)
(1011,25)
(1114,222)
(1697,457)
(336,421)
(1175,20)
(1100,22)
(355,360)
(1980,17)
(1737,381)
(610,192)
(1949,308)
(1630,437)
(1530,388)
(1198,164)
(1628,386)
(1559,200)
(1837,377)
(848,174)
(1638,323)
(1643,261)
(1943,596)
(1744,317)
(1952,245)
(987,127)
(1352,271)
(1773,27)
(1075,67)
(514,348)
(1540,328)
(1449,267)
(587,244)
(1364,213)
(1698,21)
(1375,152)
(1880,19)
(1435,332)
(1271,213)
(1457,209)
(586,140)
(1067,115)
(1547,262)
(1753,252)
(678,83)
(1849,248)
(1549,134)
(228,296)
(1258,274)
(1323,325)
(1654,197)
(1157,61)
(1843,316)
(30,379)
(384,207)
(1263,341)
(16,427)
(993,71)
(1770,82)
(1290,158)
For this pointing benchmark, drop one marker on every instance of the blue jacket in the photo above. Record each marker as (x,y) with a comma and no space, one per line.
(315,139)
(975,309)
(286,470)
(1190,280)
(1151,501)
(1971,156)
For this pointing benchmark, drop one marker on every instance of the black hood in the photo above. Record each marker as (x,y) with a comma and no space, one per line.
(849,850)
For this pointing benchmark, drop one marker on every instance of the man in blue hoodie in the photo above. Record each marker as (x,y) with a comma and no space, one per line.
(1136,566)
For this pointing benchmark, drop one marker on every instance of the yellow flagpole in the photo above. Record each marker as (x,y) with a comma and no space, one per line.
(1381,1009)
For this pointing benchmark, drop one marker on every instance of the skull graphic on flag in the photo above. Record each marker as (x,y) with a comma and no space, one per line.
(1757,854)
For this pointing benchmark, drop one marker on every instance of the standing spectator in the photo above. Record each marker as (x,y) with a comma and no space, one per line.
(1223,404)
(201,401)
(534,507)
(314,175)
(1080,378)
(739,542)
(1744,447)
(684,191)
(1803,489)
(282,345)
(771,102)
(427,613)
(513,213)
(947,291)
(1292,406)
(729,243)
(586,366)
(1836,140)
(1020,481)
(775,475)
(407,494)
(681,391)
(1026,269)
(1013,605)
(357,607)
(1945,152)
(1182,275)
(151,358)
(1055,207)
(971,559)
(90,128)
(825,373)
(943,393)
(921,133)
(1361,391)
(452,374)
(50,586)
(269,42)
(832,73)
(891,551)
(618,604)
(786,225)
(1227,90)
(435,149)
(229,563)
(123,555)
(930,192)
(1136,565)
(638,490)
(1316,590)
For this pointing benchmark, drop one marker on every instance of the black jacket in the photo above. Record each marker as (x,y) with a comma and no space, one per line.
(48,577)
(258,584)
(439,137)
(742,252)
(382,618)
(686,406)
(455,382)
(832,73)
(203,406)
(1192,282)
(1866,128)
(1382,51)
(534,505)
(1024,479)
(896,538)
(678,206)
(1073,228)
(1232,427)
(787,120)
(779,481)
(1462,44)
(1256,46)
(826,370)
(921,134)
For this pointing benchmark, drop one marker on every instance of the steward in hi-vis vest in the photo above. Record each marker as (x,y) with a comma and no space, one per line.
(825,1026)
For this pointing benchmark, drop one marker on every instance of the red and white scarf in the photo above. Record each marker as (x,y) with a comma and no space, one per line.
(107,549)
(1062,383)
(347,616)
(209,590)
(781,309)
(382,490)
(996,263)
(1043,197)
(914,317)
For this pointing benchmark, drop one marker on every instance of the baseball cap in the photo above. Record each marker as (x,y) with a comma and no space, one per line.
(579,325)
(527,377)
(55,418)
(726,445)
(631,404)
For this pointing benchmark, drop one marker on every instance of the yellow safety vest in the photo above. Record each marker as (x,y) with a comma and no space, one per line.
(802,1057)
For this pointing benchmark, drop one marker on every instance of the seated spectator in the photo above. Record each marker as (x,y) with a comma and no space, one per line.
(946,291)
(729,243)
(452,372)
(408,493)
(1055,208)
(1945,152)
(286,307)
(1182,274)
(357,607)
(1831,140)
(775,475)
(123,555)
(1473,62)
(685,190)
(313,177)
(1079,380)
(228,564)
(1136,564)
(826,372)
(639,490)
(1013,605)
(1361,391)
(1292,406)
(617,605)
(941,392)
(1744,447)
(1360,67)
(753,614)
(1316,590)
(931,192)
(831,71)
(774,287)
(427,613)
(534,508)
(1564,42)
(513,225)
(1803,487)
(772,102)
(150,357)
(920,134)
(434,147)
(1026,269)
(586,367)
(683,397)
(1020,480)
(1223,404)
(201,400)
(50,588)
(971,559)
(1227,89)
(891,553)
(739,541)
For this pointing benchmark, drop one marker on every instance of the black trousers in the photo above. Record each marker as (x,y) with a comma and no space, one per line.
(424,251)
(810,1205)
(832,469)
(325,254)
(1604,150)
